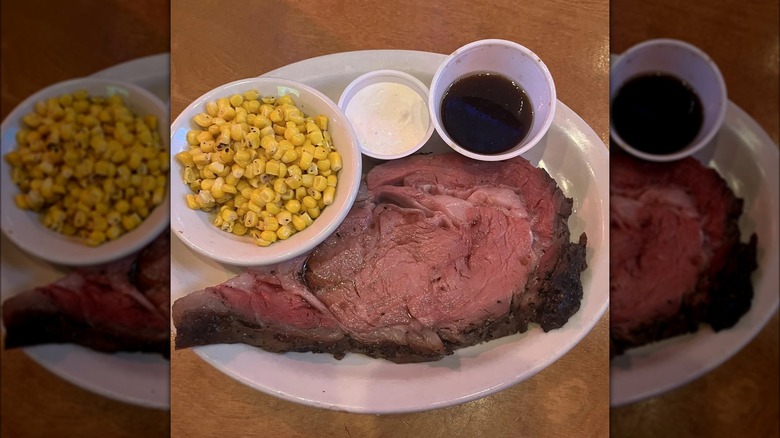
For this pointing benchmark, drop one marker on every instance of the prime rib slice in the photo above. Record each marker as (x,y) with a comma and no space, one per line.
(676,259)
(439,253)
(119,306)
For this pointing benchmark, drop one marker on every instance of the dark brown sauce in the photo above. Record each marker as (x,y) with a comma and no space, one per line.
(657,113)
(486,113)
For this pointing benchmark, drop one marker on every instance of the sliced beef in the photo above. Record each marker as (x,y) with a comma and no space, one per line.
(120,306)
(257,308)
(441,253)
(676,259)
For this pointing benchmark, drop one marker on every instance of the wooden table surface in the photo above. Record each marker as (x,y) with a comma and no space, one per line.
(214,42)
(44,42)
(739,398)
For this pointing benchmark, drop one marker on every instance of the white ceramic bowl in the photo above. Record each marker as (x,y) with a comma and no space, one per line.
(24,227)
(510,60)
(687,63)
(395,77)
(195,228)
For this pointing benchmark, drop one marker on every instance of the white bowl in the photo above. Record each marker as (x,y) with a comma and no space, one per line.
(685,62)
(510,60)
(24,227)
(395,77)
(195,228)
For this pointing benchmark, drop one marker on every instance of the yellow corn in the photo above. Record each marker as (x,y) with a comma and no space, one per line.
(316,137)
(236,100)
(293,206)
(298,223)
(271,223)
(289,156)
(91,157)
(269,235)
(322,122)
(320,183)
(261,156)
(307,180)
(272,207)
(328,195)
(320,153)
(251,219)
(336,162)
(284,232)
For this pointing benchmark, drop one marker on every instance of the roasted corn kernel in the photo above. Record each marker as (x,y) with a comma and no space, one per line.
(261,157)
(91,167)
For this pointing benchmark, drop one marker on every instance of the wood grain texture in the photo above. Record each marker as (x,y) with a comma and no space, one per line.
(214,42)
(566,399)
(36,403)
(44,42)
(739,398)
(741,37)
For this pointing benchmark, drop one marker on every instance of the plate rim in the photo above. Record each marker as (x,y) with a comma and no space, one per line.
(734,114)
(36,353)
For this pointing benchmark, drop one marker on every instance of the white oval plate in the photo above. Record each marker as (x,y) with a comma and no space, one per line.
(747,159)
(572,153)
(138,378)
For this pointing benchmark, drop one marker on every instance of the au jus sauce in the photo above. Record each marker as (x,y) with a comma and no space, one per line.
(657,113)
(486,113)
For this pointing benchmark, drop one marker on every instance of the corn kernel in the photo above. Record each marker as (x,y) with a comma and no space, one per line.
(272,208)
(284,232)
(293,206)
(328,195)
(269,235)
(272,167)
(289,156)
(292,182)
(320,153)
(313,212)
(280,186)
(322,122)
(298,223)
(336,162)
(271,223)
(320,183)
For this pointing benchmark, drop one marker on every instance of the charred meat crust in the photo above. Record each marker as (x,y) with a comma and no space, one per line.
(35,327)
(206,327)
(732,291)
(561,293)
(69,310)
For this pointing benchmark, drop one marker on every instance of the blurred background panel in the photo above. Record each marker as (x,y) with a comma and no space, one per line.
(45,42)
(213,43)
(742,39)
(739,398)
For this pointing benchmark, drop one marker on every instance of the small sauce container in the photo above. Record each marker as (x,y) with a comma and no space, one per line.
(686,63)
(388,110)
(515,63)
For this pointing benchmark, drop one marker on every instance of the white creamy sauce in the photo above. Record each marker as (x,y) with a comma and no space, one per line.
(388,118)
